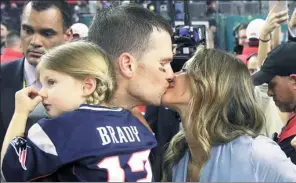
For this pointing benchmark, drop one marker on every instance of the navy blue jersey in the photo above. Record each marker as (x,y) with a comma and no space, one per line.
(88,144)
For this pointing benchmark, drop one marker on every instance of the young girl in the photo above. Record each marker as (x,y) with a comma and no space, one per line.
(85,139)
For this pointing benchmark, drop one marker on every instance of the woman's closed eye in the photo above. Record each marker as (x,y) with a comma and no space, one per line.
(183,70)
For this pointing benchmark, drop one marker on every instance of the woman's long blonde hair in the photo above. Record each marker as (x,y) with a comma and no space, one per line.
(79,60)
(222,107)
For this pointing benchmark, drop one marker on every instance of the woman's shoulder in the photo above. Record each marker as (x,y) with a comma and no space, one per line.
(265,150)
(259,156)
(270,162)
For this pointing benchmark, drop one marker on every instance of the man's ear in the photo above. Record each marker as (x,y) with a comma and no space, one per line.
(126,64)
(68,35)
(89,85)
(293,77)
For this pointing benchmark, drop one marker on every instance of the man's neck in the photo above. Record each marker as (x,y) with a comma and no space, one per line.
(123,99)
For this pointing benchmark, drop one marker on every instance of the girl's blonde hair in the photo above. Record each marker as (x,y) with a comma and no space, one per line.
(79,60)
(222,107)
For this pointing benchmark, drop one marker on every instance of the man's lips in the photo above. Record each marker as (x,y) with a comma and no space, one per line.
(35,53)
(171,85)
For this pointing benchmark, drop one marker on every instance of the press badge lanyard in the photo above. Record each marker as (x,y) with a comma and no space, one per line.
(24,84)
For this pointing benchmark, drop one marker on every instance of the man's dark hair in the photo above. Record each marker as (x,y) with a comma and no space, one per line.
(12,39)
(125,28)
(242,26)
(61,5)
(5,24)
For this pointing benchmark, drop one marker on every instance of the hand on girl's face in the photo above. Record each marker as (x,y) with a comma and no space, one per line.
(26,100)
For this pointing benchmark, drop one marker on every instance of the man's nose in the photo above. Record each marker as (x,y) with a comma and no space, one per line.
(269,92)
(170,75)
(36,41)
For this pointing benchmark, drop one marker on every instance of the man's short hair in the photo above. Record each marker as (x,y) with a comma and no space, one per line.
(242,27)
(12,39)
(5,24)
(125,28)
(61,5)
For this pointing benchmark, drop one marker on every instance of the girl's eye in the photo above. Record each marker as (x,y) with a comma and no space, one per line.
(51,82)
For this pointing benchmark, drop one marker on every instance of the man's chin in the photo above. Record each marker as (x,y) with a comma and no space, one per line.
(33,60)
(285,109)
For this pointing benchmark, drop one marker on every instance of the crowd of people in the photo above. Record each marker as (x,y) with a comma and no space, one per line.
(70,96)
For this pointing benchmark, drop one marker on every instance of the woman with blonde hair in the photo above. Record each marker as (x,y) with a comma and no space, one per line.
(86,138)
(220,140)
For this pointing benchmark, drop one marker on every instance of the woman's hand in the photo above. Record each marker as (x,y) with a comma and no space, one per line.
(26,100)
(273,20)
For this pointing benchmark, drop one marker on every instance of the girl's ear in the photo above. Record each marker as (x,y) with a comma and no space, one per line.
(89,85)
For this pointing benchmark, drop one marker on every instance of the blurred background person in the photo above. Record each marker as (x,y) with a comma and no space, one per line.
(240,38)
(4,32)
(211,8)
(279,72)
(252,63)
(80,31)
(13,47)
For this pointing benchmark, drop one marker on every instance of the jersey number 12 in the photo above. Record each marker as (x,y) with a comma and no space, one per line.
(138,162)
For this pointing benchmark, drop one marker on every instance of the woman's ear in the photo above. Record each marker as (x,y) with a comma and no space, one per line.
(89,85)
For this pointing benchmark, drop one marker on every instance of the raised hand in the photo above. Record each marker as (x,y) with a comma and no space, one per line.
(274,20)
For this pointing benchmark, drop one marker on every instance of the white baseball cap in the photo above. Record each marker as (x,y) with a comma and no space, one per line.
(254,28)
(80,29)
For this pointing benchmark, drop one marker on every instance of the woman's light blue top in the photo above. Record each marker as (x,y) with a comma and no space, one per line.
(243,160)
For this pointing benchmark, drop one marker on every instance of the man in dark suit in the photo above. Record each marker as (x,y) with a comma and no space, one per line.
(44,25)
(165,123)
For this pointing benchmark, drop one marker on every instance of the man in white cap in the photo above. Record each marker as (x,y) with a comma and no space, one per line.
(253,31)
(79,30)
